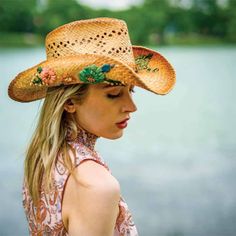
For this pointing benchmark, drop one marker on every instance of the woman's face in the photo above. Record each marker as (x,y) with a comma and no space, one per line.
(106,109)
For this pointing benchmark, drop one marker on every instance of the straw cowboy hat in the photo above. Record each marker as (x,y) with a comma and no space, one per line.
(93,51)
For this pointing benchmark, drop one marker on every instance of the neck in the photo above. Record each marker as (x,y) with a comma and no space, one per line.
(83,136)
(86,138)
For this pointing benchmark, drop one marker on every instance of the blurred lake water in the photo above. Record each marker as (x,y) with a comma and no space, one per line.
(177,160)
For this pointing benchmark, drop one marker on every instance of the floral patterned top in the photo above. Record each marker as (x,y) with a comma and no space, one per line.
(46,218)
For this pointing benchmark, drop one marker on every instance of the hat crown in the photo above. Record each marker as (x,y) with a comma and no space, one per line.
(103,36)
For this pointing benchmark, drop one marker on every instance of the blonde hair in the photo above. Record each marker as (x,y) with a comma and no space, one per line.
(49,138)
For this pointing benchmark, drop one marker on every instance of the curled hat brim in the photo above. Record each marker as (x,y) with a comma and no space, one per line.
(153,72)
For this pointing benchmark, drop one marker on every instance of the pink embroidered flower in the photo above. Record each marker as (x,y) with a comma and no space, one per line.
(48,75)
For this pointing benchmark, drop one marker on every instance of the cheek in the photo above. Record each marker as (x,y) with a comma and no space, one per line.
(99,116)
(96,118)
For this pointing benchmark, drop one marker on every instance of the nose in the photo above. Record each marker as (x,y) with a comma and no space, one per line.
(129,105)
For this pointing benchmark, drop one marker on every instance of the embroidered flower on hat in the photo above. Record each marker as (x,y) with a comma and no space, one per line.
(106,67)
(142,62)
(66,78)
(48,75)
(93,74)
(44,76)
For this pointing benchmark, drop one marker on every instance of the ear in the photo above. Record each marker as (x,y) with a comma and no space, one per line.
(69,106)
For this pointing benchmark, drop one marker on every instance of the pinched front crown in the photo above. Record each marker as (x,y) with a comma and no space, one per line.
(103,36)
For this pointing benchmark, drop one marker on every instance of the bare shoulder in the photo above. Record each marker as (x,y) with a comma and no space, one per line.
(91,200)
(95,175)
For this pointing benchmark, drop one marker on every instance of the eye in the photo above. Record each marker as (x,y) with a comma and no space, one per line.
(112,96)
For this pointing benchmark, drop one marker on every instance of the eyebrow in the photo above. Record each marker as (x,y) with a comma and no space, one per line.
(107,86)
(111,86)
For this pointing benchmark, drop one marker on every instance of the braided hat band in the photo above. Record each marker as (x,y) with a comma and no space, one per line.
(93,51)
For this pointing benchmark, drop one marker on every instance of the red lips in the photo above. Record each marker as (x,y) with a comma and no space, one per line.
(123,124)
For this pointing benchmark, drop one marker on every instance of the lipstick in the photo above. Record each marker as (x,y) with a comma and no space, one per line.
(123,124)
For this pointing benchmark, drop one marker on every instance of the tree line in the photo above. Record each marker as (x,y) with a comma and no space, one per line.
(153,21)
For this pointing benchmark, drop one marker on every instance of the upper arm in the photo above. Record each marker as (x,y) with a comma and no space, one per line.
(91,204)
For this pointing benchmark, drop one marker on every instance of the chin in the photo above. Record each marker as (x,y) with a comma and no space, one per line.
(114,136)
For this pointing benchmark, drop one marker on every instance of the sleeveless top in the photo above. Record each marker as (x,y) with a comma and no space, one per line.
(46,218)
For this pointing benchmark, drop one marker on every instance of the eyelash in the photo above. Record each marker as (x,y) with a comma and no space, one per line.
(111,96)
(132,90)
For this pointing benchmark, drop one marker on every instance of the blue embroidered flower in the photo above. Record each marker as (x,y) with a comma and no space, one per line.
(107,67)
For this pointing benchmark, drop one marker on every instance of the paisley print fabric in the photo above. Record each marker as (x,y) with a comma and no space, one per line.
(46,217)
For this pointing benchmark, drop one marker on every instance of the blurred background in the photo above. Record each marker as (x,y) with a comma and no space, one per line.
(177,160)
(152,22)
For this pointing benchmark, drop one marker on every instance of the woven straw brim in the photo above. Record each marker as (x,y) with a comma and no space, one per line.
(67,71)
(160,76)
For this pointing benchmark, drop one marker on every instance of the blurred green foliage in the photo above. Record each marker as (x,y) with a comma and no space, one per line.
(153,22)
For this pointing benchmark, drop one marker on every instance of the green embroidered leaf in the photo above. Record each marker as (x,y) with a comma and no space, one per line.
(39,69)
(142,62)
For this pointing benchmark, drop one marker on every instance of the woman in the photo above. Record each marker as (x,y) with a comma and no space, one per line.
(87,82)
